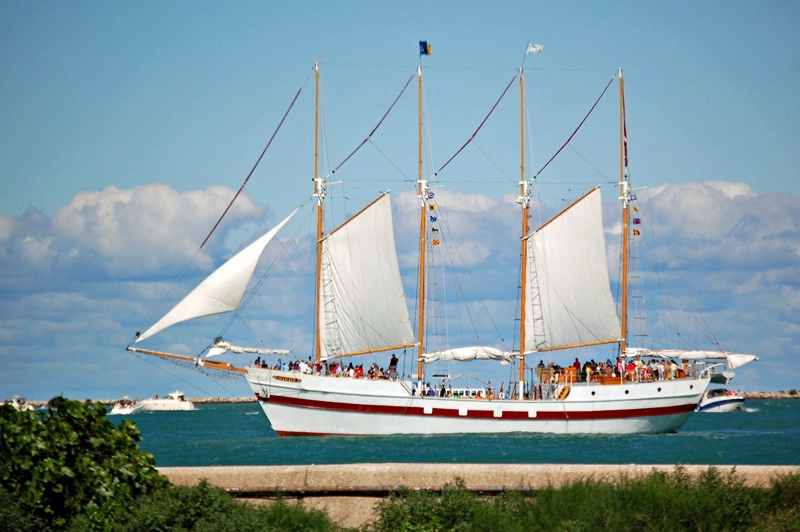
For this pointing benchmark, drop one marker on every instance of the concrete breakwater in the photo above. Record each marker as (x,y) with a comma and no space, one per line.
(349,492)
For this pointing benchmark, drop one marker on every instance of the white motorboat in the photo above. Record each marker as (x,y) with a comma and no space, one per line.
(175,401)
(19,403)
(721,400)
(125,407)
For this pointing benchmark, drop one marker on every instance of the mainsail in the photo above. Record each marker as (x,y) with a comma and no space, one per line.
(569,303)
(363,306)
(221,291)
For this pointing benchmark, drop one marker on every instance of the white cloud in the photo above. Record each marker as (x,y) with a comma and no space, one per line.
(142,230)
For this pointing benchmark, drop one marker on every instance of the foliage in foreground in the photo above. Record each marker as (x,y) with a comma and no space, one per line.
(656,501)
(71,468)
(70,460)
(207,508)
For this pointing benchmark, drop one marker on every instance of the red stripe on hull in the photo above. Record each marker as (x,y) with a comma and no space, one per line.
(479,414)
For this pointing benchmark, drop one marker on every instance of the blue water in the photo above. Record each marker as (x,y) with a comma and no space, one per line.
(766,432)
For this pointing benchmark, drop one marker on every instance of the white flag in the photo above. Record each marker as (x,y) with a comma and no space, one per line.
(534,48)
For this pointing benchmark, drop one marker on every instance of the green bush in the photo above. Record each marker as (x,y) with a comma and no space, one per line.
(206,508)
(656,501)
(71,460)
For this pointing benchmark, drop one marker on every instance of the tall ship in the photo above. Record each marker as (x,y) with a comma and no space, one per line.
(362,316)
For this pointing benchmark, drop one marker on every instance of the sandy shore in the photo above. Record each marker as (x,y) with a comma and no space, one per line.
(348,492)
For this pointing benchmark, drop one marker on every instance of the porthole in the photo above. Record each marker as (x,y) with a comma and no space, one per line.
(691,386)
(592,393)
(659,389)
(627,392)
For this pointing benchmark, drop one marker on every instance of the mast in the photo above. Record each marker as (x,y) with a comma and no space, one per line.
(421,191)
(319,192)
(624,193)
(524,199)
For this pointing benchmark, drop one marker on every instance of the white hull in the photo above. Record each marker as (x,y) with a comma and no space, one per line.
(20,405)
(713,401)
(298,404)
(166,405)
(125,410)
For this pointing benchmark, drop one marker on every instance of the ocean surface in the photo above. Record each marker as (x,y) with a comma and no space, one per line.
(766,432)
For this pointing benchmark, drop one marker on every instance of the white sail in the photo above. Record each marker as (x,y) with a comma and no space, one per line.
(362,303)
(221,291)
(466,354)
(569,301)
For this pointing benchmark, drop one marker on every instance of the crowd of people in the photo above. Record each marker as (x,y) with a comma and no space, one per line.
(633,369)
(334,369)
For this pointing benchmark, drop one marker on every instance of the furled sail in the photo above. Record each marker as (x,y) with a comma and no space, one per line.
(221,291)
(466,354)
(222,346)
(735,360)
(362,303)
(569,302)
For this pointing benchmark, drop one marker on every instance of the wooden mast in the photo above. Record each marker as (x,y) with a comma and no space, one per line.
(524,199)
(319,192)
(421,191)
(624,193)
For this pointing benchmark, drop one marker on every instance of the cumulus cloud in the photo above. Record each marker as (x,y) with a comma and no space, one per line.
(141,230)
(118,233)
(717,225)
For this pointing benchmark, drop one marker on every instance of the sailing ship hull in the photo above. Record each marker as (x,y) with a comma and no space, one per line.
(311,405)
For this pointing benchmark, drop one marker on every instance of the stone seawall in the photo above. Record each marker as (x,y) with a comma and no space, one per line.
(348,492)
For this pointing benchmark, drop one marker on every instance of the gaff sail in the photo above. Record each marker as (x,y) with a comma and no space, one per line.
(570,302)
(362,303)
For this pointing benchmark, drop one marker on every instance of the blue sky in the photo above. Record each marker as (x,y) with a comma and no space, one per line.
(121,121)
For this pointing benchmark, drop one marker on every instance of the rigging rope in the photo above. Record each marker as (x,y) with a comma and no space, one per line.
(577,128)
(481,124)
(368,137)
(249,175)
(283,119)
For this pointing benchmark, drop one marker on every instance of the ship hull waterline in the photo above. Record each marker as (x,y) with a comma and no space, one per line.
(310,405)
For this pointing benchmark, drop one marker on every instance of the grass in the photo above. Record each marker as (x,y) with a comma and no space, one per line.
(657,501)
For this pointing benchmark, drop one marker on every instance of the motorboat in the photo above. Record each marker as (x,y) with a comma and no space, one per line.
(721,400)
(175,401)
(19,403)
(125,406)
